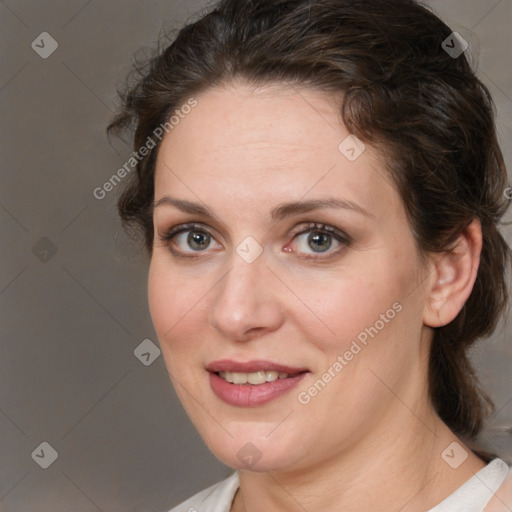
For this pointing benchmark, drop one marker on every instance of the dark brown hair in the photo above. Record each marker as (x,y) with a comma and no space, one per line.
(400,91)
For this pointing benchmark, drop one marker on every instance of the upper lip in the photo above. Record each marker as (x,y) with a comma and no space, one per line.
(228,365)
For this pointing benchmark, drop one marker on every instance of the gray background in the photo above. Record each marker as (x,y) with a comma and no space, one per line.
(71,319)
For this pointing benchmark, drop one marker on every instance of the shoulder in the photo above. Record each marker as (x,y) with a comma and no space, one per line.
(485,491)
(502,499)
(217,498)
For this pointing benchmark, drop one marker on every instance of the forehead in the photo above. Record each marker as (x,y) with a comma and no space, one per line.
(269,118)
(267,144)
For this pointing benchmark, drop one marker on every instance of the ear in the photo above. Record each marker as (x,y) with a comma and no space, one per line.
(453,277)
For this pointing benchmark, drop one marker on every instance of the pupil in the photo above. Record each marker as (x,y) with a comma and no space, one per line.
(322,240)
(198,240)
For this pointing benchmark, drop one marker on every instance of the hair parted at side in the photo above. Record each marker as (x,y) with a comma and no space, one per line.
(399,90)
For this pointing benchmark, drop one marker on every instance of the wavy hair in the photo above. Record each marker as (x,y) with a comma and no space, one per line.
(400,91)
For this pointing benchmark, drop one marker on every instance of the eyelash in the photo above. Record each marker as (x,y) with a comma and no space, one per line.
(316,227)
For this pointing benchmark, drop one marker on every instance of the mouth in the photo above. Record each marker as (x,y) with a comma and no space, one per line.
(252,383)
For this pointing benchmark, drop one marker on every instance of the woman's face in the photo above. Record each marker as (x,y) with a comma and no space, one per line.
(323,301)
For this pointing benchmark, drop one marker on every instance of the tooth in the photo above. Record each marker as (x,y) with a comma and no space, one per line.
(239,378)
(256,377)
(271,376)
(224,375)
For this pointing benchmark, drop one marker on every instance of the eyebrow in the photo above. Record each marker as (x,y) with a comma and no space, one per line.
(278,213)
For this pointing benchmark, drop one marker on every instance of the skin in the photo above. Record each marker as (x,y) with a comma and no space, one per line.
(370,440)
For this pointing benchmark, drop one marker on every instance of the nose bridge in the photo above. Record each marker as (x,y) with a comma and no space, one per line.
(243,300)
(239,288)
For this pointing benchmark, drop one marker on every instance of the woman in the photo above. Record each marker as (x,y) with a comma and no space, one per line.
(319,190)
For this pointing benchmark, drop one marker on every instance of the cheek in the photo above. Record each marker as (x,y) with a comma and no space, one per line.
(339,308)
(172,300)
(161,299)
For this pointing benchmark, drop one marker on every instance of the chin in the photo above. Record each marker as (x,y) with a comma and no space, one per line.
(256,451)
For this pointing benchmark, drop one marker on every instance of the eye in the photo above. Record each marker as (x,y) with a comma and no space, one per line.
(312,239)
(320,239)
(189,238)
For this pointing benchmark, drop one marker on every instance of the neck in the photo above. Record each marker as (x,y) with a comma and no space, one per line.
(397,467)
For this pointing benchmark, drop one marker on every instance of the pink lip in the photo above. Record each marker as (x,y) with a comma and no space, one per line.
(249,395)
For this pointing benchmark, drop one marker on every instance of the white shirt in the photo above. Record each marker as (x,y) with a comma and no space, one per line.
(475,495)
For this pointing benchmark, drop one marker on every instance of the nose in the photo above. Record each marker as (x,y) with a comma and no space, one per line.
(246,302)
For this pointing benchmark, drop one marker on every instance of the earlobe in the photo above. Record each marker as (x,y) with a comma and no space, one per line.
(453,277)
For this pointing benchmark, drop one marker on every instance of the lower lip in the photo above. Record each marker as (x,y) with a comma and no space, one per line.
(249,395)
